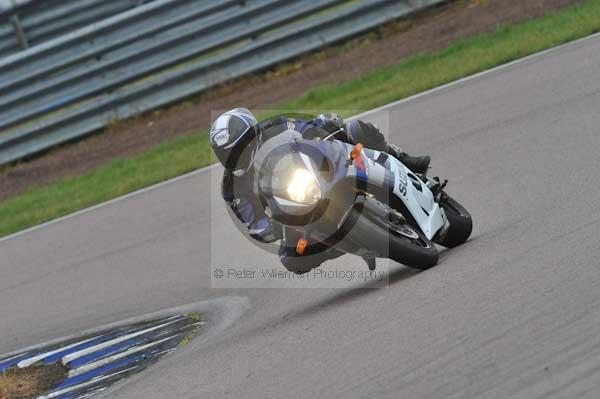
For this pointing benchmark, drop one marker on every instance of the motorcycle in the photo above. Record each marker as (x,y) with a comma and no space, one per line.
(356,200)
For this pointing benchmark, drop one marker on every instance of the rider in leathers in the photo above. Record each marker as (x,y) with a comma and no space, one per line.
(235,135)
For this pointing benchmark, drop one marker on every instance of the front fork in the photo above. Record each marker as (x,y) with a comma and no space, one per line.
(437,188)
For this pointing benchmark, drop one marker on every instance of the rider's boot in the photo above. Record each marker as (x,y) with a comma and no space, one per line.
(415,164)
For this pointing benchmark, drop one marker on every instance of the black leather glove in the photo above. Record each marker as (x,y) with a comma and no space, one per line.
(331,122)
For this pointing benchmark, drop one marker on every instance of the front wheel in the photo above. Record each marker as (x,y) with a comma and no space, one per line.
(399,242)
(460,221)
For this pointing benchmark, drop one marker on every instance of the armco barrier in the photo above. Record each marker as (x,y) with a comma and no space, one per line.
(161,52)
(43,20)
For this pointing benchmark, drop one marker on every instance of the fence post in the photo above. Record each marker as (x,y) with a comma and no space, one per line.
(18,28)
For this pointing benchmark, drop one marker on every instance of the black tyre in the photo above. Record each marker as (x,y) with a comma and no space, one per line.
(399,242)
(461,224)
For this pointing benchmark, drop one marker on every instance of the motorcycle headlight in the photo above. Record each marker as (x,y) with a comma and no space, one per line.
(304,188)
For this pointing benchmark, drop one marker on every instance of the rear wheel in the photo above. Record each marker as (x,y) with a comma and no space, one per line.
(397,241)
(460,221)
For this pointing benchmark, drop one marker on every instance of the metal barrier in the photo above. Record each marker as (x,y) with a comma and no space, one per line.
(41,20)
(159,53)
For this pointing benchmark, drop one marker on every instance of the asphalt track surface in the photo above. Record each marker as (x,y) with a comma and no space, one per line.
(513,313)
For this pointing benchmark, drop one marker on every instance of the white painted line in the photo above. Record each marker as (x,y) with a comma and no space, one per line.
(37,358)
(76,355)
(224,311)
(82,385)
(8,359)
(103,362)
(362,115)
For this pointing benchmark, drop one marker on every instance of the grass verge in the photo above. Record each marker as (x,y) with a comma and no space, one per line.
(31,381)
(409,77)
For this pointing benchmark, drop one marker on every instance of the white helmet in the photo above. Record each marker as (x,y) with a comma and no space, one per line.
(234,138)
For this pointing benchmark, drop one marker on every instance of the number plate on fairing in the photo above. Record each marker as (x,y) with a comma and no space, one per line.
(418,199)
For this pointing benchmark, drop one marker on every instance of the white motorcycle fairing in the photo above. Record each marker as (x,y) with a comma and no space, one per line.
(416,195)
